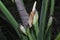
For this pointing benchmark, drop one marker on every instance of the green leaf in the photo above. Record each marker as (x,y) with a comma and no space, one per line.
(42,19)
(48,29)
(9,17)
(52,7)
(24,37)
(58,37)
(29,34)
(50,20)
(35,18)
(49,24)
(33,34)
(35,23)
(48,35)
(23,29)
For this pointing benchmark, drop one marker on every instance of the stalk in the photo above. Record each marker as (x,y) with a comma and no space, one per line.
(51,14)
(50,20)
(42,19)
(29,34)
(52,7)
(58,36)
(9,17)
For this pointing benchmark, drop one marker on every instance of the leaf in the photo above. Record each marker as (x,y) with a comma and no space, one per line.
(29,34)
(42,19)
(58,37)
(48,35)
(50,19)
(49,24)
(35,18)
(33,34)
(23,29)
(10,18)
(35,23)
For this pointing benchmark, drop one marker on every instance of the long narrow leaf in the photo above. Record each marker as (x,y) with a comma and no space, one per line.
(29,34)
(49,24)
(48,35)
(42,19)
(51,18)
(35,23)
(58,37)
(33,35)
(52,7)
(9,17)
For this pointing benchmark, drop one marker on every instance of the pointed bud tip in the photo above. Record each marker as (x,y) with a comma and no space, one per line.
(34,6)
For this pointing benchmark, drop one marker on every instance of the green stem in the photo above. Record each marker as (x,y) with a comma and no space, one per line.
(58,36)
(42,19)
(51,13)
(28,34)
(9,17)
(50,20)
(52,7)
(36,29)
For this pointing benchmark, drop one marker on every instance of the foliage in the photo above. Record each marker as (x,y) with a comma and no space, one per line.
(37,32)
(58,37)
